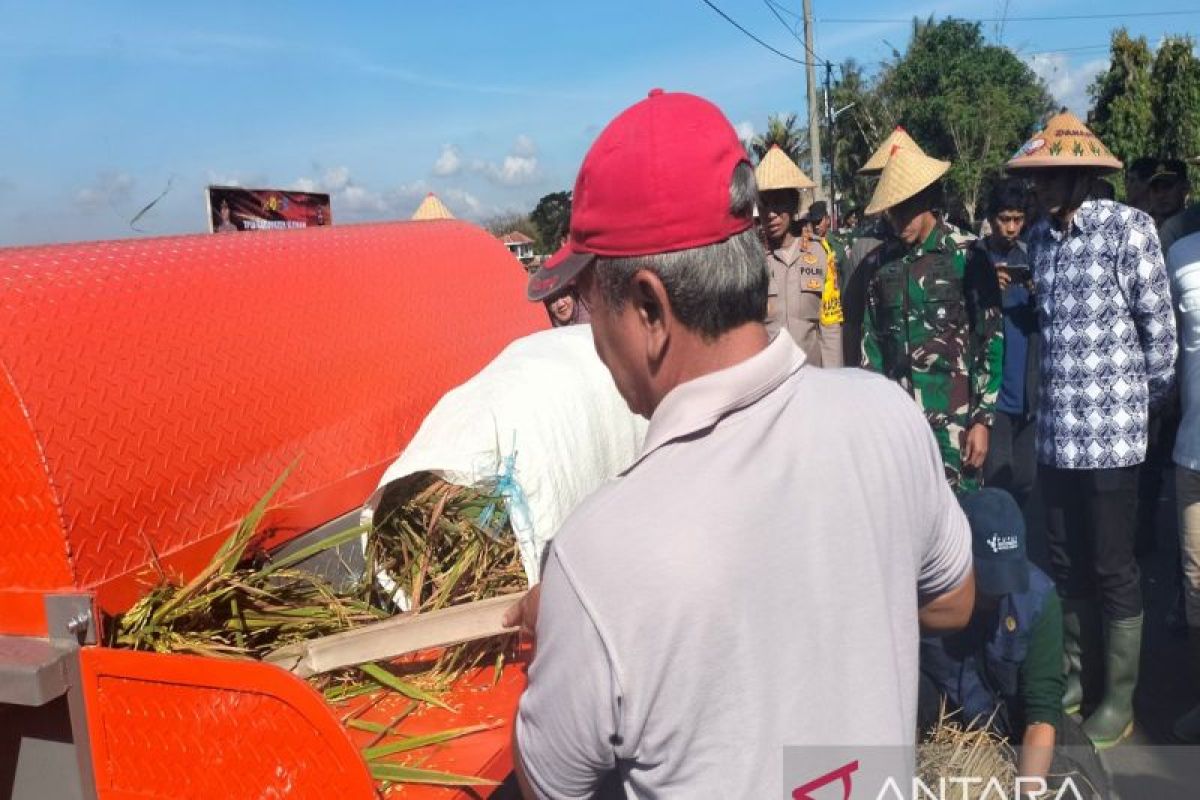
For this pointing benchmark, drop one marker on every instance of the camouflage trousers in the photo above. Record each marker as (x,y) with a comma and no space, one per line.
(950,431)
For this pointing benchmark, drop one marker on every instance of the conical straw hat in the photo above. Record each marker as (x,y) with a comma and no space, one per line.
(1066,142)
(906,174)
(878,159)
(432,208)
(777,171)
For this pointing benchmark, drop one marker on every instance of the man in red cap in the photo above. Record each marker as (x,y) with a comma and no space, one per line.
(701,598)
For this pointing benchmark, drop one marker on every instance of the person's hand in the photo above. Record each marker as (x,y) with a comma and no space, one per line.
(976,447)
(1004,277)
(523,614)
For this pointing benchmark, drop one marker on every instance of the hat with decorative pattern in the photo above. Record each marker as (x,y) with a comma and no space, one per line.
(1065,142)
(907,174)
(878,160)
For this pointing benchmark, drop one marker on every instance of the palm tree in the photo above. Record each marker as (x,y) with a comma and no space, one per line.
(783,131)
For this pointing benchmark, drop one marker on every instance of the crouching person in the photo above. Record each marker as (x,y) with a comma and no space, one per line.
(1004,669)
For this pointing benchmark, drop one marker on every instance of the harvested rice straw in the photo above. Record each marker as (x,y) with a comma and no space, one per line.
(447,542)
(446,545)
(953,750)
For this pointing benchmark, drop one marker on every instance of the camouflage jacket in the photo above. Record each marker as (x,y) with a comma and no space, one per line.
(933,323)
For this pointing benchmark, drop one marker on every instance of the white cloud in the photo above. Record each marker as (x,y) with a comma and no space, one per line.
(1067,83)
(519,168)
(462,202)
(449,162)
(745,130)
(107,189)
(336,179)
(524,146)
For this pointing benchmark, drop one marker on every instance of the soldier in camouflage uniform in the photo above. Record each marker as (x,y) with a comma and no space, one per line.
(933,321)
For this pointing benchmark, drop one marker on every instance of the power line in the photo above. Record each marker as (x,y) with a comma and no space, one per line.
(772,7)
(869,20)
(734,23)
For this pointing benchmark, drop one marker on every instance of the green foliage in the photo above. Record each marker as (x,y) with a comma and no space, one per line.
(965,101)
(552,218)
(1122,112)
(785,132)
(1175,78)
(858,130)
(513,221)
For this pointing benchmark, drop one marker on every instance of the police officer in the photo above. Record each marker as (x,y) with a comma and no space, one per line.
(933,320)
(798,265)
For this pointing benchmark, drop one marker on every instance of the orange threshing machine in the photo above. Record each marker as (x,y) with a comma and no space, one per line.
(151,392)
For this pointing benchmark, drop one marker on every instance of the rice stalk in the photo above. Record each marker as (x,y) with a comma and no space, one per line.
(952,749)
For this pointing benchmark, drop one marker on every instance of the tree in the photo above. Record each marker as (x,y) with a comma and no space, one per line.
(1122,101)
(783,131)
(964,100)
(552,218)
(513,221)
(1175,86)
(857,131)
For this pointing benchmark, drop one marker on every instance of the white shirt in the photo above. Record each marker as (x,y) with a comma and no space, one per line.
(1183,264)
(751,582)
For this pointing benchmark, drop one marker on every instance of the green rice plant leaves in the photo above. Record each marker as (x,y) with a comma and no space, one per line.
(390,681)
(417,742)
(399,774)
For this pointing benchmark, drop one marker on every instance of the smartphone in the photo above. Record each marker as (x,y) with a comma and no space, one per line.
(1020,275)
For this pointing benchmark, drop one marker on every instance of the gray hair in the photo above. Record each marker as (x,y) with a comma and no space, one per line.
(712,289)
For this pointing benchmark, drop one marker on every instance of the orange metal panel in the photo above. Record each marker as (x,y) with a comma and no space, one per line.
(171,726)
(478,699)
(155,388)
(186,727)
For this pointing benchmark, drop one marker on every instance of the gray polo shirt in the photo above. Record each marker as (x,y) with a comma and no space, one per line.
(751,582)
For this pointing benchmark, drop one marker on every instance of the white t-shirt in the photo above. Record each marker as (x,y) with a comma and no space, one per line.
(750,583)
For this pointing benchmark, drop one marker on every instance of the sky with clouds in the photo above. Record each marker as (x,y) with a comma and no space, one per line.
(105,106)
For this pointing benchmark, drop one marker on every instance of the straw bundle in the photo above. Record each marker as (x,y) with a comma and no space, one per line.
(954,750)
(445,544)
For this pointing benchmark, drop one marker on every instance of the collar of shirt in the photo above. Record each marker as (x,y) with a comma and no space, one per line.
(789,253)
(700,403)
(1087,217)
(935,241)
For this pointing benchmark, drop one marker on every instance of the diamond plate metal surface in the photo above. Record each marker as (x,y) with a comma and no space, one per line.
(185,727)
(156,387)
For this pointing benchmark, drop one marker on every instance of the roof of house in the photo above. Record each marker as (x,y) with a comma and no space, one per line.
(515,237)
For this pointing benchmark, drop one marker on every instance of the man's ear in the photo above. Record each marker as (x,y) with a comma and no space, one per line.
(650,303)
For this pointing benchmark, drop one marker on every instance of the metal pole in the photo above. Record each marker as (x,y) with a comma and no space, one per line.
(832,142)
(814,117)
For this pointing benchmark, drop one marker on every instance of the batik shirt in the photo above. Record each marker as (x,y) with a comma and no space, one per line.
(1108,335)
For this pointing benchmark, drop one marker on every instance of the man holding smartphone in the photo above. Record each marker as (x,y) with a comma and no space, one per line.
(1012,455)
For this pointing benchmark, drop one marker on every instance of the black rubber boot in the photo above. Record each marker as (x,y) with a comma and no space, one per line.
(1112,720)
(1187,727)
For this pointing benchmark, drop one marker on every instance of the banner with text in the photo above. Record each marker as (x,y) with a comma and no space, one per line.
(232,208)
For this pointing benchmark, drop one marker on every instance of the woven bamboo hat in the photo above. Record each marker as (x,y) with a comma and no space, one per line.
(879,159)
(907,172)
(777,171)
(432,208)
(1066,142)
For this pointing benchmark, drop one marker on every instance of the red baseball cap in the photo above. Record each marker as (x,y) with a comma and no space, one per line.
(656,180)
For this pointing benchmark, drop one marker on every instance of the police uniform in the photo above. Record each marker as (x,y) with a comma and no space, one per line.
(933,324)
(797,282)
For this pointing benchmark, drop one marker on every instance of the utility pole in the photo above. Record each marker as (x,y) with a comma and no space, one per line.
(830,118)
(814,112)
